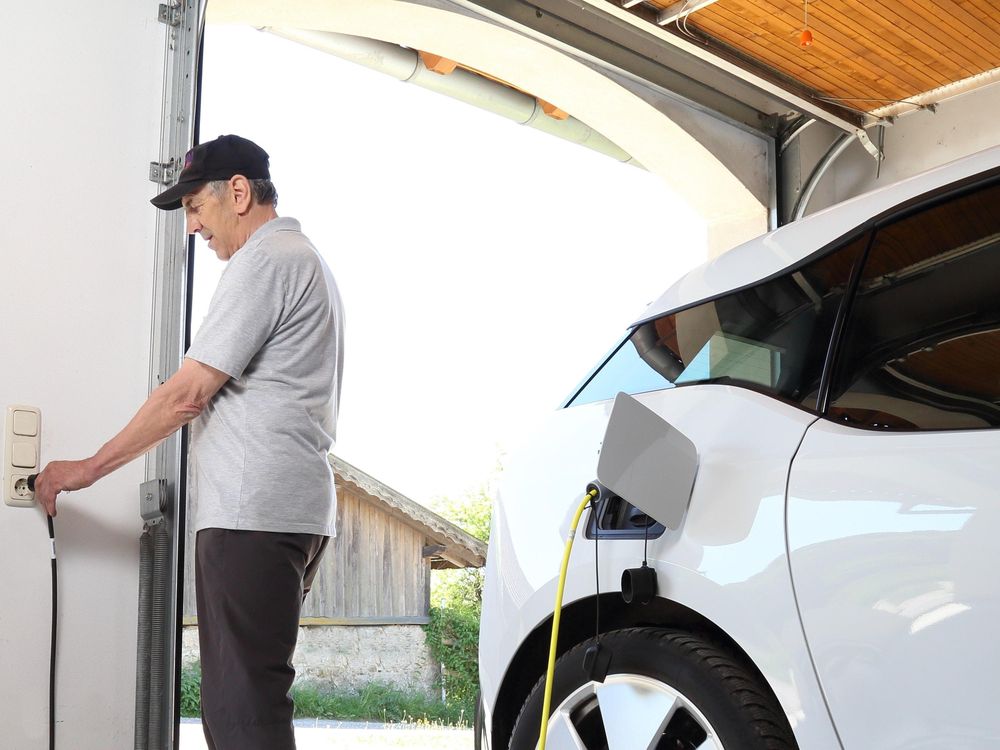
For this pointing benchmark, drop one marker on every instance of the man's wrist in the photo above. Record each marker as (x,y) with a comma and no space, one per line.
(91,470)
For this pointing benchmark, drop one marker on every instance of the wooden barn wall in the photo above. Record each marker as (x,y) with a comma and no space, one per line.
(372,570)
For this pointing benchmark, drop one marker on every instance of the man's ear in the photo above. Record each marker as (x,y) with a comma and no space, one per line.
(241,192)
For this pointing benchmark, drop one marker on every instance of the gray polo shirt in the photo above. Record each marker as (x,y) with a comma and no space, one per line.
(258,458)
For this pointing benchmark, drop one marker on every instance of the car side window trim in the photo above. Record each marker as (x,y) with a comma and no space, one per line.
(903,212)
(839,324)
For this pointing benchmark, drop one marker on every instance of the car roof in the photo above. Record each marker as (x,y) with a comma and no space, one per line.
(772,253)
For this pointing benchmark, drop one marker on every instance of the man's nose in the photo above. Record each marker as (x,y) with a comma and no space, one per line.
(193,225)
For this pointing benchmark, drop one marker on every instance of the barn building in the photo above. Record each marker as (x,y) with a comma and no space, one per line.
(362,620)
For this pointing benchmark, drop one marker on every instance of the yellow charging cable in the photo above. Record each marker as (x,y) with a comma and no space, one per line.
(556,612)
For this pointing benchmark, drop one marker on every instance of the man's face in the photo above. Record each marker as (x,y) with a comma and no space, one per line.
(214,218)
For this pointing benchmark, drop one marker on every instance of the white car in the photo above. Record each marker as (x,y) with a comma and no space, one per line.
(834,582)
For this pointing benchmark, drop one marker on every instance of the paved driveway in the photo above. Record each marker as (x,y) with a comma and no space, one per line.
(325,735)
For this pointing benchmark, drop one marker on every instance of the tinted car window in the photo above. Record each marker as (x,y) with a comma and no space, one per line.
(922,343)
(771,337)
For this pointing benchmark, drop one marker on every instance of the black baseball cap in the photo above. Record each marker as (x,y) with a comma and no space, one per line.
(220,159)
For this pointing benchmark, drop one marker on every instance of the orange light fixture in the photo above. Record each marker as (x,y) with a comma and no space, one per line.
(806,36)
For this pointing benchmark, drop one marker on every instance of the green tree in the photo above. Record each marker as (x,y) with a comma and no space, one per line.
(457,603)
(462,589)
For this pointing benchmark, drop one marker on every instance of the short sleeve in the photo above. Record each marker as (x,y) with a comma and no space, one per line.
(245,310)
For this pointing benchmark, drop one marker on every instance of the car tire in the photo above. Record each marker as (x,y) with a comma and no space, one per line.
(664,690)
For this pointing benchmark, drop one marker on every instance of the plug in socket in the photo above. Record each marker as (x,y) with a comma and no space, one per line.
(22,490)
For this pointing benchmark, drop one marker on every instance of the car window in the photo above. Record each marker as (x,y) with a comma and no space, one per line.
(922,344)
(772,337)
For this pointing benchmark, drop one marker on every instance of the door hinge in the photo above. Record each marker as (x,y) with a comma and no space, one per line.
(870,147)
(170,14)
(162,172)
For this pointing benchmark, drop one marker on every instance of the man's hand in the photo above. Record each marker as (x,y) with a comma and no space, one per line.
(61,476)
(168,408)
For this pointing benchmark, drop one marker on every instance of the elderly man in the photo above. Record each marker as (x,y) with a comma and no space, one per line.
(260,386)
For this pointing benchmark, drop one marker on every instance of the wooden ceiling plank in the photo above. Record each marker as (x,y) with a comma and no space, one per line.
(830,25)
(794,58)
(904,37)
(952,52)
(973,25)
(828,79)
(919,59)
(901,13)
(878,22)
(823,68)
(833,63)
(834,57)
(982,9)
(959,36)
(889,50)
(882,81)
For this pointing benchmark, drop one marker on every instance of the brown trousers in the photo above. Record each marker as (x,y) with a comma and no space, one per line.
(250,586)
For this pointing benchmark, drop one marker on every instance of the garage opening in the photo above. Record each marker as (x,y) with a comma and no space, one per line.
(484,266)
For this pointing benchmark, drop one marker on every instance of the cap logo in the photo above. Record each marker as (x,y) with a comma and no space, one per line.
(188,158)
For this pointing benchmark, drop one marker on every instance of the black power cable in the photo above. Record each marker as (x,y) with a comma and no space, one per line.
(596,659)
(52,638)
(52,646)
(597,571)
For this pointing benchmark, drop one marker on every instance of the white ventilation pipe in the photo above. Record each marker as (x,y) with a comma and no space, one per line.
(464,85)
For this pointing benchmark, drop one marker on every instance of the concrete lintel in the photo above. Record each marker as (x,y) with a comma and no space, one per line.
(693,172)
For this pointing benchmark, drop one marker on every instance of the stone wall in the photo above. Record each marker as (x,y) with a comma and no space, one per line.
(348,657)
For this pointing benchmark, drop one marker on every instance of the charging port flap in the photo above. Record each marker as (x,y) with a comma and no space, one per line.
(648,462)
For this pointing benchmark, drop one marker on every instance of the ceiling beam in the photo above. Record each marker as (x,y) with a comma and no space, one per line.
(735,90)
(630,50)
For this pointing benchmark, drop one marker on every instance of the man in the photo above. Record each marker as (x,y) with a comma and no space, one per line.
(260,386)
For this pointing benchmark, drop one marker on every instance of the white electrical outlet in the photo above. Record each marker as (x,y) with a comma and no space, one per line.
(22,458)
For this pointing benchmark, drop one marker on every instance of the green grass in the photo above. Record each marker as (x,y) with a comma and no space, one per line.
(191,691)
(375,702)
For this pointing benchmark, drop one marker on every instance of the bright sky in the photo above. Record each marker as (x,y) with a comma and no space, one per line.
(485,267)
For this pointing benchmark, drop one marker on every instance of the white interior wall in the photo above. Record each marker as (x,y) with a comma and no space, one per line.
(916,142)
(81,124)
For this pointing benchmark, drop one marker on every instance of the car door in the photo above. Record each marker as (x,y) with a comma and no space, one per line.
(894,497)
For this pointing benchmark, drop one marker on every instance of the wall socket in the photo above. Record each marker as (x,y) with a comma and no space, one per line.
(22,441)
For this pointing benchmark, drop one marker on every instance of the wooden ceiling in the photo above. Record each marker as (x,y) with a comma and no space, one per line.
(863,56)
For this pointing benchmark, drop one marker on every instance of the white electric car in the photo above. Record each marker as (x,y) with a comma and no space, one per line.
(835,582)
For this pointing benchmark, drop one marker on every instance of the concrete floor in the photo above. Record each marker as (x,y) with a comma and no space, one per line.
(328,735)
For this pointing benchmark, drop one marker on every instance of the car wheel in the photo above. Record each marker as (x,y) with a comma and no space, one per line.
(664,690)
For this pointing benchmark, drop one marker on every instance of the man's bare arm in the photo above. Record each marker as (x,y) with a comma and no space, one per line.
(168,408)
